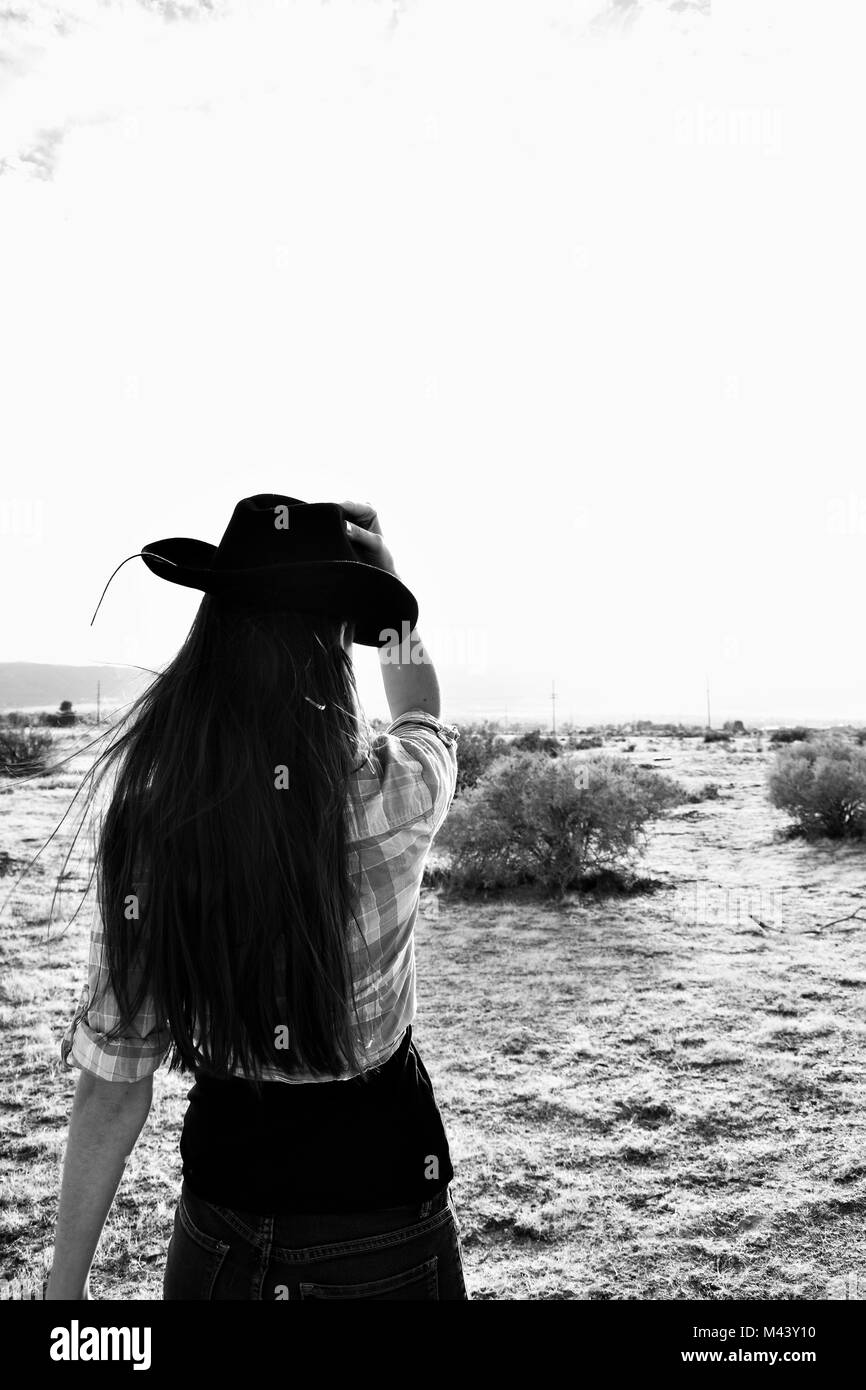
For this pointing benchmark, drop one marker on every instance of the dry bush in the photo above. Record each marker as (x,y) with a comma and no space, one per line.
(708,792)
(798,734)
(552,822)
(476,752)
(23,753)
(822,786)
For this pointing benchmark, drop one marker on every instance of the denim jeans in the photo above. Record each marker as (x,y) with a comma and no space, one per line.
(398,1253)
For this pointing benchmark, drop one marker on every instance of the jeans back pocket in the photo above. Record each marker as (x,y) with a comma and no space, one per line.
(420,1282)
(194,1259)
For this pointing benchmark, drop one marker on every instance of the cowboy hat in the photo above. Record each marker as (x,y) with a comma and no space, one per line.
(280,551)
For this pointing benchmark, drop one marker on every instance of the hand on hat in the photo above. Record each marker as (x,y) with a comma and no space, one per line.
(365,532)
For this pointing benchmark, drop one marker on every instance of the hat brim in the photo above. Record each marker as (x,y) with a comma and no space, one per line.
(377,602)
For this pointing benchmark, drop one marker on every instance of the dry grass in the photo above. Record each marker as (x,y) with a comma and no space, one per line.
(645,1101)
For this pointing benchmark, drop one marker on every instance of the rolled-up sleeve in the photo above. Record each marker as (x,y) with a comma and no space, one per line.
(433,745)
(137,1052)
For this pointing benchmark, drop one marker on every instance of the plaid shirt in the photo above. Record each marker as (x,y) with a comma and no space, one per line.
(398,800)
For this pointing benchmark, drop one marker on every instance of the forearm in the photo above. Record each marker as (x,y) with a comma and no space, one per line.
(106,1120)
(409,677)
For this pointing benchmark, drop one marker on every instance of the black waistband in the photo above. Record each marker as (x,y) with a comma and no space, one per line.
(333,1147)
(298,1231)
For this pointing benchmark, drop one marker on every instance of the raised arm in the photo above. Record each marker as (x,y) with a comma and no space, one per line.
(407,672)
(409,678)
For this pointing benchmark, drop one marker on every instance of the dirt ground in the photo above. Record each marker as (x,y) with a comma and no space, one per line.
(651,1097)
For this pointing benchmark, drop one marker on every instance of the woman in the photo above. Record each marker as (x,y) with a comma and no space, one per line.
(258,876)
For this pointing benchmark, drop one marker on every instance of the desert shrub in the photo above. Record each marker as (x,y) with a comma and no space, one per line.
(476,751)
(532,819)
(708,792)
(65,714)
(798,734)
(23,754)
(18,719)
(534,741)
(716,736)
(822,786)
(58,719)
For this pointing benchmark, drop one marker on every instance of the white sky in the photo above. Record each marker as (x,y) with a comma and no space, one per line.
(578,309)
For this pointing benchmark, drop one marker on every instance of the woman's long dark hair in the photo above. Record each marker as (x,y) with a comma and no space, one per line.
(221,864)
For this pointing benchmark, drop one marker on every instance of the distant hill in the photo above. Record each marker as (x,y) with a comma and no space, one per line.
(42,685)
(33,684)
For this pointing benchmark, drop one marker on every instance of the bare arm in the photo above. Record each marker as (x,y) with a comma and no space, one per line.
(107,1118)
(407,671)
(409,678)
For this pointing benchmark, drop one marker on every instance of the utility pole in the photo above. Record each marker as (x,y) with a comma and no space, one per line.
(98,693)
(553,705)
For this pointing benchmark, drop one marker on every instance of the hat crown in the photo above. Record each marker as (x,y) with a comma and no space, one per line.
(278,550)
(273,529)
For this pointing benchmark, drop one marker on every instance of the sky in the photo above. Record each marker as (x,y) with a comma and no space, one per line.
(571,291)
